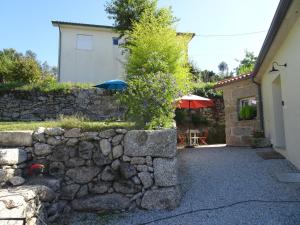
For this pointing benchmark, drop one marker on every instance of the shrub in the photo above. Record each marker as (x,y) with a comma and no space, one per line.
(247,112)
(207,90)
(180,116)
(258,134)
(198,119)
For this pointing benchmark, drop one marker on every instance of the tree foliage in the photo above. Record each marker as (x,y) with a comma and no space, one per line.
(126,12)
(18,68)
(157,71)
(247,63)
(223,68)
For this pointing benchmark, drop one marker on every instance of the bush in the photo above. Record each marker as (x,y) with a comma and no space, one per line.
(247,112)
(199,120)
(207,90)
(180,116)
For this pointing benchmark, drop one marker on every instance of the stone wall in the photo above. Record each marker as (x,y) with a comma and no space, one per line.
(94,104)
(239,132)
(112,170)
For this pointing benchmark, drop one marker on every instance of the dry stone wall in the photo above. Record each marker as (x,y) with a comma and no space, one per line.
(94,104)
(112,170)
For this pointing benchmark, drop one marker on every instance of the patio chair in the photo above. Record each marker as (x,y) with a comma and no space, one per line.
(181,138)
(203,138)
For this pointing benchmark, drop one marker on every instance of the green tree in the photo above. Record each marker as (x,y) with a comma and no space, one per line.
(223,68)
(157,70)
(246,64)
(126,12)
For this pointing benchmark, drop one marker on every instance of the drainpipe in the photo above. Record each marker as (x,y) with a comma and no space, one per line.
(261,112)
(59,53)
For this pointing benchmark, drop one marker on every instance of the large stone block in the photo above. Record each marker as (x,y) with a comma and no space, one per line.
(83,175)
(106,202)
(156,143)
(12,156)
(165,172)
(165,198)
(15,138)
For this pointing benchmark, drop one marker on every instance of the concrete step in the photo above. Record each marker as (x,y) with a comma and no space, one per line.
(15,138)
(12,156)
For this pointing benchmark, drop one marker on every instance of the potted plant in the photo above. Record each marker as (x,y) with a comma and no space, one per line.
(259,140)
(247,112)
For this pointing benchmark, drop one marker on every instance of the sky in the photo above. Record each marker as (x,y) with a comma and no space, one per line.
(26,24)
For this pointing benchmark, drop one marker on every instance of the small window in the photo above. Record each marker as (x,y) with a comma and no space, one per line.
(115,41)
(84,42)
(247,108)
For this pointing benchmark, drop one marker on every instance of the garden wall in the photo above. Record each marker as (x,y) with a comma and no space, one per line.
(112,170)
(94,104)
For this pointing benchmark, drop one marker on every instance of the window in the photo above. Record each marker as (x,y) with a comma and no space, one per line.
(84,42)
(115,41)
(247,108)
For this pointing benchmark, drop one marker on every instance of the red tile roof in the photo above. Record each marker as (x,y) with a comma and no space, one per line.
(233,79)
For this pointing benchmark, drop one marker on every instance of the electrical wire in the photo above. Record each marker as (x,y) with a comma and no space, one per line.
(230,35)
(217,208)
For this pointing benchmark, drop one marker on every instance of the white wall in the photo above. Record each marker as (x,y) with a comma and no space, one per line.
(288,52)
(101,63)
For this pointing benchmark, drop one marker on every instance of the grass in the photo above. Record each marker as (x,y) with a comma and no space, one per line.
(44,86)
(67,123)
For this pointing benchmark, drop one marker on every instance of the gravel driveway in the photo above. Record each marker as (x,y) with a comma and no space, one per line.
(222,185)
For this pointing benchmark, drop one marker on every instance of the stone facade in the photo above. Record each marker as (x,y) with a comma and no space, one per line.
(112,170)
(94,104)
(239,132)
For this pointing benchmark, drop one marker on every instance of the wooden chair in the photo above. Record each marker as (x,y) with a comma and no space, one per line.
(203,138)
(181,138)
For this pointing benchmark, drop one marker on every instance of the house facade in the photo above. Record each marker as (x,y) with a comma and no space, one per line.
(239,92)
(89,53)
(278,72)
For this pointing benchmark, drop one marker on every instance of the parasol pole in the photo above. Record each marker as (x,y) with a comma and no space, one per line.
(190,123)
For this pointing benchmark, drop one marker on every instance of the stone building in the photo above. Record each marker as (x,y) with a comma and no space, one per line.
(238,92)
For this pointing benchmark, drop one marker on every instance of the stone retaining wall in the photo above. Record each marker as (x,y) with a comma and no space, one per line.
(94,104)
(112,170)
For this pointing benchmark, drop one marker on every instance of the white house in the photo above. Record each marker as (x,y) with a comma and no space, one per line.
(89,53)
(278,72)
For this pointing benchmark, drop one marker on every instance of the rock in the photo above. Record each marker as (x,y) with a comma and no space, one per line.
(108,202)
(12,156)
(75,162)
(41,149)
(39,135)
(83,191)
(117,139)
(146,179)
(83,175)
(6,174)
(164,198)
(127,170)
(73,133)
(136,180)
(105,147)
(150,169)
(56,131)
(45,194)
(121,131)
(90,136)
(72,142)
(59,153)
(53,141)
(126,158)
(108,174)
(138,160)
(126,187)
(69,192)
(99,188)
(149,161)
(117,151)
(165,172)
(136,196)
(55,211)
(85,150)
(15,138)
(156,143)
(56,169)
(142,168)
(49,182)
(100,159)
(115,164)
(107,133)
(16,181)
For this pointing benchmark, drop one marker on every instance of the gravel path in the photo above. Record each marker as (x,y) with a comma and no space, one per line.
(221,186)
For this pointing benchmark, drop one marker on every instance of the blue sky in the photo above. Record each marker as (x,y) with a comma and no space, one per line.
(27,25)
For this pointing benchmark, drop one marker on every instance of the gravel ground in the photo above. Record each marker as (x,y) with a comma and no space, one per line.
(221,185)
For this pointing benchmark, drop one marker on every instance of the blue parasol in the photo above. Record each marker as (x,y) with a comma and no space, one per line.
(113,85)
